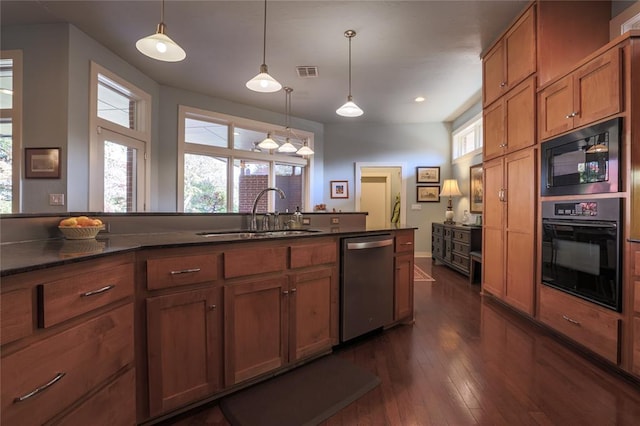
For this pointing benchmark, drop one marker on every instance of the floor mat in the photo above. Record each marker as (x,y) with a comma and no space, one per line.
(420,275)
(304,396)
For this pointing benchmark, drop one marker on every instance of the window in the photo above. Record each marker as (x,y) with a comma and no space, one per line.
(222,169)
(119,148)
(468,138)
(10,130)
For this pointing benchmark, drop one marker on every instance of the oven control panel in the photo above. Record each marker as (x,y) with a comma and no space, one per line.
(587,208)
(602,209)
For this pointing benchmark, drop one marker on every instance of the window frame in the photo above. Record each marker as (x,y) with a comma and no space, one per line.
(473,124)
(231,154)
(141,133)
(15,115)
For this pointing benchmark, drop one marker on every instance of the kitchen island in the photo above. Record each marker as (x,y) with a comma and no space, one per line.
(135,328)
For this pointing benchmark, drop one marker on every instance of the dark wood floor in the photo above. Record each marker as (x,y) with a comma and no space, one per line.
(469,361)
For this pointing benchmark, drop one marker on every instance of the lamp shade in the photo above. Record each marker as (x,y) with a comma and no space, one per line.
(349,109)
(263,82)
(287,147)
(159,46)
(450,188)
(268,143)
(305,150)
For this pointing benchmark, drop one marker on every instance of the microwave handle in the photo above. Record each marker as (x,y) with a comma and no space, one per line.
(580,223)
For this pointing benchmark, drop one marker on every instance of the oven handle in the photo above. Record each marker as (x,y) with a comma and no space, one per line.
(578,223)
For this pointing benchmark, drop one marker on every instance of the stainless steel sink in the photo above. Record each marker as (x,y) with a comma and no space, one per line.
(256,234)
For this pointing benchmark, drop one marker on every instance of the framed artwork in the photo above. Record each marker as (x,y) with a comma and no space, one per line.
(428,194)
(339,189)
(427,174)
(475,189)
(42,163)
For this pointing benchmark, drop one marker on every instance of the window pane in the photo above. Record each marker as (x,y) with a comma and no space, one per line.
(251,177)
(205,184)
(6,83)
(291,180)
(119,178)
(206,133)
(115,105)
(247,140)
(6,165)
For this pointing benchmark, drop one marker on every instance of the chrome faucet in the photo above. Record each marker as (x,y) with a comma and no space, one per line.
(254,223)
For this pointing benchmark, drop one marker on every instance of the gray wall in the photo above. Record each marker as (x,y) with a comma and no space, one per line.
(425,144)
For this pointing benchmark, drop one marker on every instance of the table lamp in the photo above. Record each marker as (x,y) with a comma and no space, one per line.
(450,189)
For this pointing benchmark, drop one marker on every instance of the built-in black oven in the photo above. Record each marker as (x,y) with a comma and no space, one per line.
(581,249)
(582,162)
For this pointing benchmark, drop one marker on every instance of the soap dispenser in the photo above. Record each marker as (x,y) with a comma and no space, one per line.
(297,218)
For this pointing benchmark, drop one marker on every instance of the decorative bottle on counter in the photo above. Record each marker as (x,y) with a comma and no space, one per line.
(297,219)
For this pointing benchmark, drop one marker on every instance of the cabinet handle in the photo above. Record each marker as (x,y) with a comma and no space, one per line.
(293,290)
(185,271)
(98,291)
(504,83)
(212,307)
(40,389)
(501,194)
(285,292)
(572,321)
(407,244)
(573,114)
(503,145)
(504,195)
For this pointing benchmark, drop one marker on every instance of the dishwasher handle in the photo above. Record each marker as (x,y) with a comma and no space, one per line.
(369,244)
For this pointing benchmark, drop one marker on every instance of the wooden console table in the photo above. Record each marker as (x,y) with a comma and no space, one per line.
(452,244)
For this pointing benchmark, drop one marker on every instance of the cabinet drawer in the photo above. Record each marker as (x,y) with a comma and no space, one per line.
(313,254)
(447,232)
(240,263)
(16,315)
(437,252)
(181,270)
(83,357)
(66,298)
(437,230)
(460,248)
(404,242)
(462,236)
(461,262)
(593,328)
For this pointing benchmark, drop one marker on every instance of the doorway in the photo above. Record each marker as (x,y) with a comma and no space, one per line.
(378,185)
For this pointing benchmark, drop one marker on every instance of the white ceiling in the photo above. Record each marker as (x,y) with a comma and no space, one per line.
(403,49)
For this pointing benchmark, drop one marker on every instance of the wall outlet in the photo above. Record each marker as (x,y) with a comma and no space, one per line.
(335,220)
(56,199)
(306,221)
(416,206)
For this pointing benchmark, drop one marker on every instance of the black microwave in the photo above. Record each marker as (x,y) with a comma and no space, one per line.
(583,162)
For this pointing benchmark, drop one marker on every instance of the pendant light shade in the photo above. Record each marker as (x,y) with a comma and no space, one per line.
(159,46)
(305,150)
(263,82)
(268,143)
(287,147)
(349,109)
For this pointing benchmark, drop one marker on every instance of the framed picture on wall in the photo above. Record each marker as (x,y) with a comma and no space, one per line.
(339,189)
(475,190)
(42,163)
(427,174)
(428,194)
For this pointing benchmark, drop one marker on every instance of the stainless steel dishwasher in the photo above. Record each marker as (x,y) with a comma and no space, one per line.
(366,285)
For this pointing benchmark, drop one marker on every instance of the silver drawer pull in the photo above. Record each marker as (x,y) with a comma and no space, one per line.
(98,291)
(572,321)
(40,389)
(407,244)
(185,271)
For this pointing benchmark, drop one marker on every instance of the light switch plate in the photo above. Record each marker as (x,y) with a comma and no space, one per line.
(416,207)
(56,199)
(335,220)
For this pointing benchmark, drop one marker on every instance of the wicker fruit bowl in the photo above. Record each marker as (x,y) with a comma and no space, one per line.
(80,233)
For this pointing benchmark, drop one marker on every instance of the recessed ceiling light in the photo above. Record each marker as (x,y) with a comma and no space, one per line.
(419,99)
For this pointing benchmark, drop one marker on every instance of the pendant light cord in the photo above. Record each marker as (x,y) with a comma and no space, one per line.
(350,67)
(162,12)
(264,35)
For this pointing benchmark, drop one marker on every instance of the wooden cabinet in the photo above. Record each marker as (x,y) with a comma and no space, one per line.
(451,245)
(635,285)
(509,123)
(403,276)
(593,327)
(509,229)
(511,59)
(55,374)
(590,93)
(184,347)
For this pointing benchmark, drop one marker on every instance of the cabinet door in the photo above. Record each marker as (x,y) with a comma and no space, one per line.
(519,106)
(494,131)
(492,239)
(597,89)
(520,48)
(520,177)
(556,108)
(494,81)
(184,348)
(255,328)
(403,287)
(313,312)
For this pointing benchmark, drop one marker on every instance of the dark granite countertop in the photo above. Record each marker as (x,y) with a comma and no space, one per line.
(23,256)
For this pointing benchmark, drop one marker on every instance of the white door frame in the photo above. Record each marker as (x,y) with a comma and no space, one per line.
(403,185)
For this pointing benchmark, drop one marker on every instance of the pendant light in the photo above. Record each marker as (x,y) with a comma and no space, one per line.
(305,150)
(159,46)
(349,109)
(268,143)
(263,82)
(287,146)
